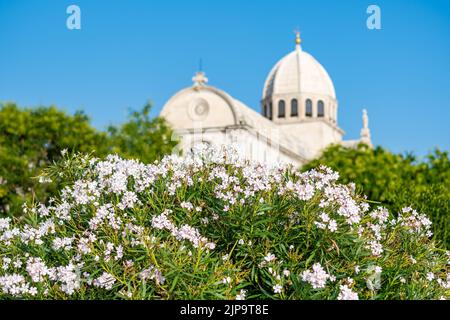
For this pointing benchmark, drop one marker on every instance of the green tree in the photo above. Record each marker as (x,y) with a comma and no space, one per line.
(396,180)
(33,138)
(141,137)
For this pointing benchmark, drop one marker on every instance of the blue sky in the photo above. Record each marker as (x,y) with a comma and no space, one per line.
(128,52)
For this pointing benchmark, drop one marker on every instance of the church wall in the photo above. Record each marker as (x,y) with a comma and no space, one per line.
(249,145)
(314,135)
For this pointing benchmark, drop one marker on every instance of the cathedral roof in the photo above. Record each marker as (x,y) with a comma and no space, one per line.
(264,126)
(298,72)
(213,107)
(204,108)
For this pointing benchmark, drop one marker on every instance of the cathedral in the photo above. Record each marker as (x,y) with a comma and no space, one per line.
(298,116)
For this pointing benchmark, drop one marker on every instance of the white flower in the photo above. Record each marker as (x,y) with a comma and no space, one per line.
(357,269)
(324,217)
(378,269)
(381,214)
(185,232)
(277,288)
(326,223)
(430,276)
(187,205)
(225,257)
(37,269)
(332,225)
(69,278)
(317,277)
(63,243)
(226,280)
(129,263)
(152,273)
(320,225)
(128,200)
(269,257)
(242,294)
(33,291)
(17,263)
(14,284)
(119,252)
(376,248)
(204,220)
(406,209)
(4,223)
(347,294)
(105,281)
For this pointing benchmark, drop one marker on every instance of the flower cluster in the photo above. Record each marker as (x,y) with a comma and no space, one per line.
(152,273)
(326,222)
(347,294)
(185,232)
(317,277)
(416,222)
(210,223)
(105,281)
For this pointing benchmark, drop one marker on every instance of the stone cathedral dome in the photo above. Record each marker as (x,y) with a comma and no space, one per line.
(298,73)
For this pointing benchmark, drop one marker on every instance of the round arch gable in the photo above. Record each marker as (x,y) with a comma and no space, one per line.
(187,99)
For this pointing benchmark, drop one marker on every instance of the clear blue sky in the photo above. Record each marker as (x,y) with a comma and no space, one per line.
(128,52)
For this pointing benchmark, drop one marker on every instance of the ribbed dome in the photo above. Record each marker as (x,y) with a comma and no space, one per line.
(298,72)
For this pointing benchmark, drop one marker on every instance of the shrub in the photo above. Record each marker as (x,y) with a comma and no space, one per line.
(211,226)
(396,180)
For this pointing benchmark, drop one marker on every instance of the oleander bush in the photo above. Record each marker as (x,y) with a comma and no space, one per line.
(212,226)
(396,180)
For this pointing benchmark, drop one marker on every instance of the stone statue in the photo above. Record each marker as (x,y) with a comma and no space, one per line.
(365,119)
(365,131)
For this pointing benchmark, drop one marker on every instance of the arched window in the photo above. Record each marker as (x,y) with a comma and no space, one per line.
(320,109)
(270,111)
(294,108)
(281,109)
(264,111)
(308,110)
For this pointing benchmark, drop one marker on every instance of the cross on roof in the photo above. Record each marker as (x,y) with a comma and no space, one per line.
(200,79)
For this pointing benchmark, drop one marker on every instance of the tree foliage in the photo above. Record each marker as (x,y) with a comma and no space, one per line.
(33,138)
(141,137)
(396,180)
